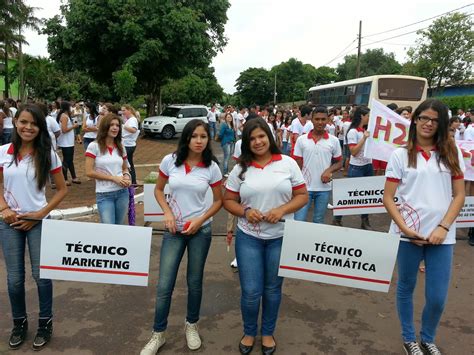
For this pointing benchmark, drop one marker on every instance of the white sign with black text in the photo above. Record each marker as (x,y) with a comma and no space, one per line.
(339,256)
(95,252)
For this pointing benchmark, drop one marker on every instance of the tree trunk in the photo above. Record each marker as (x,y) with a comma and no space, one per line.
(22,71)
(151,101)
(7,83)
(160,104)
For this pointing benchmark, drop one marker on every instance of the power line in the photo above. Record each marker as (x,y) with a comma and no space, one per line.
(339,54)
(415,23)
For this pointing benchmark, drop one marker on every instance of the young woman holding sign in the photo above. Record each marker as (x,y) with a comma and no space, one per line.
(190,171)
(25,166)
(261,190)
(106,162)
(428,174)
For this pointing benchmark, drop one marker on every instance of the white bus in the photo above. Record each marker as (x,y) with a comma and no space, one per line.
(400,89)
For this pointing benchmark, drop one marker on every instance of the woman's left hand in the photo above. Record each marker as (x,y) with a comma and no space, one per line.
(24,223)
(437,236)
(193,226)
(273,216)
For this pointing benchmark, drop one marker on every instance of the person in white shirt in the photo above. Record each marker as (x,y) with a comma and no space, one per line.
(239,121)
(106,162)
(211,120)
(301,124)
(25,166)
(7,118)
(330,126)
(261,190)
(318,154)
(285,135)
(428,175)
(359,165)
(90,124)
(130,133)
(190,172)
(66,141)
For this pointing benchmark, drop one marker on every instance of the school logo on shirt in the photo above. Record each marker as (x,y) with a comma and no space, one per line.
(11,201)
(410,216)
(178,215)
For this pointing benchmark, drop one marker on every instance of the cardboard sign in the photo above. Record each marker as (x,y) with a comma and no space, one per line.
(388,131)
(466,216)
(338,256)
(95,252)
(152,210)
(467,150)
(353,196)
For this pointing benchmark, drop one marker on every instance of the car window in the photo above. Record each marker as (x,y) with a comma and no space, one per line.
(203,112)
(170,112)
(186,112)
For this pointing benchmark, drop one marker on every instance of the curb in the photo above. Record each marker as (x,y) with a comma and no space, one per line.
(76,212)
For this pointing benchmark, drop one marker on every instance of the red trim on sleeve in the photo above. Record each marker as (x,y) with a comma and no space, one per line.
(162,174)
(125,158)
(1,168)
(458,177)
(231,191)
(296,157)
(235,158)
(57,170)
(90,155)
(391,179)
(217,183)
(351,145)
(297,187)
(337,158)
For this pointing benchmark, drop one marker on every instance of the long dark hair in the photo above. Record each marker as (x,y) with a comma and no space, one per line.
(247,156)
(448,153)
(103,131)
(65,107)
(42,145)
(357,117)
(183,145)
(92,111)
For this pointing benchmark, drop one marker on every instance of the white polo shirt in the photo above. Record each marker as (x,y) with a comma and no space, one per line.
(264,188)
(53,126)
(237,150)
(331,129)
(66,139)
(108,163)
(300,129)
(20,189)
(188,187)
(129,139)
(425,193)
(89,124)
(353,138)
(317,156)
(469,133)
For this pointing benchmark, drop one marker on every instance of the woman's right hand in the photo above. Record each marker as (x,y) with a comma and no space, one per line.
(9,216)
(420,240)
(121,181)
(170,222)
(254,216)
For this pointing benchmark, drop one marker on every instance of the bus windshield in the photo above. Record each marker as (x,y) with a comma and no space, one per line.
(401,89)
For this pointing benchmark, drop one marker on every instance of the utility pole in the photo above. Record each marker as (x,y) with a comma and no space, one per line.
(358,50)
(275,91)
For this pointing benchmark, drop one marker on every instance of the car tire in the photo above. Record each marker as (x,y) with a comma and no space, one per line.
(167,132)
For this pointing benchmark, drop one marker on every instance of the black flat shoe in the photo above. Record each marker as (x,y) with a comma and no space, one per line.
(245,349)
(269,350)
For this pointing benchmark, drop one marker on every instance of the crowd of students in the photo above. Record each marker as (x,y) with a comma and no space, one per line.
(264,187)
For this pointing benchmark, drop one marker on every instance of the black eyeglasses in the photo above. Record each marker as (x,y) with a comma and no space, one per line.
(425,119)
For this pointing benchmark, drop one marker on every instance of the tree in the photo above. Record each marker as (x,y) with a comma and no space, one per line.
(444,53)
(156,41)
(372,62)
(255,86)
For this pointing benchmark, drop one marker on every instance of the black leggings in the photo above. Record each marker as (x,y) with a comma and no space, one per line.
(68,162)
(130,151)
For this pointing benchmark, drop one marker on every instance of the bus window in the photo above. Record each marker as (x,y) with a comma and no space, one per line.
(401,89)
(363,93)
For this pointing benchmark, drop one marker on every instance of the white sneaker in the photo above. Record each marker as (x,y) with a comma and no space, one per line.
(330,207)
(156,342)
(192,336)
(233,264)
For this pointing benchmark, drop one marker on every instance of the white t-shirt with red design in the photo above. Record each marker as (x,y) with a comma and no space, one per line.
(424,192)
(264,188)
(317,157)
(188,187)
(354,136)
(20,189)
(108,163)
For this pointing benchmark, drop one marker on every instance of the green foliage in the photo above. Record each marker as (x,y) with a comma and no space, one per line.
(255,86)
(444,54)
(124,83)
(372,62)
(157,41)
(455,102)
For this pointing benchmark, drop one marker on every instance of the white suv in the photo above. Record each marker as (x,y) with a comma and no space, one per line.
(173,119)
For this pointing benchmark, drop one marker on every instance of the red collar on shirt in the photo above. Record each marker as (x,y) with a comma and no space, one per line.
(426,155)
(188,169)
(360,129)
(275,157)
(11,151)
(310,136)
(111,149)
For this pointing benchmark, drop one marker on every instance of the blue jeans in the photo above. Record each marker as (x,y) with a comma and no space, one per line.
(112,206)
(226,148)
(438,262)
(172,251)
(86,141)
(13,244)
(7,135)
(285,148)
(258,262)
(359,171)
(321,199)
(212,129)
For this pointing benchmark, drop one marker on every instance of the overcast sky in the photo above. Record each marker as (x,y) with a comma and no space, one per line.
(263,33)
